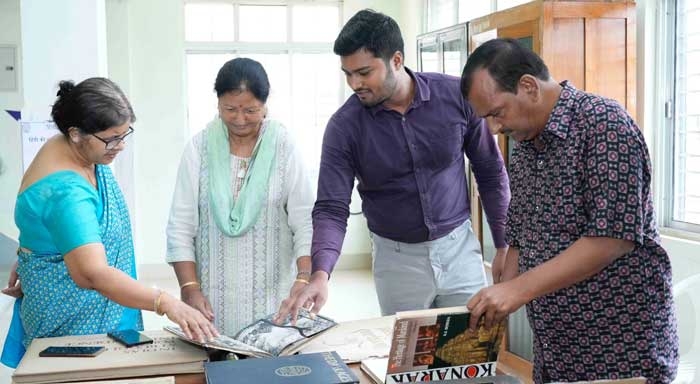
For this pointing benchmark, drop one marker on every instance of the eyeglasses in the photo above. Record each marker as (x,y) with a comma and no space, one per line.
(113,143)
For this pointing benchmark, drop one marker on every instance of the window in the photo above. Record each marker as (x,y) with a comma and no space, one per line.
(681,172)
(442,13)
(293,40)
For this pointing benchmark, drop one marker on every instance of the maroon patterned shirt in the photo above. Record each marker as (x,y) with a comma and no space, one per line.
(593,179)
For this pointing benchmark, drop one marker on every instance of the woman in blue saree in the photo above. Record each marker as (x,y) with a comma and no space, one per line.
(76,256)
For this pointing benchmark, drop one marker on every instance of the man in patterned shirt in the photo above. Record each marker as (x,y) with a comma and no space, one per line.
(585,254)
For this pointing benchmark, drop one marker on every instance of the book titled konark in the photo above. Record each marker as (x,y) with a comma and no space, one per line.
(437,344)
(325,367)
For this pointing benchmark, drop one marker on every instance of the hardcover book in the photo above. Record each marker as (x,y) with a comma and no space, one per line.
(436,344)
(168,355)
(264,338)
(324,367)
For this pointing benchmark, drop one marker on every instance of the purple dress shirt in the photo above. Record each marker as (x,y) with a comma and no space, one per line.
(410,169)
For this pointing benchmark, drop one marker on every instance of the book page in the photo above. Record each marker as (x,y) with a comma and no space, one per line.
(222,342)
(276,339)
(355,340)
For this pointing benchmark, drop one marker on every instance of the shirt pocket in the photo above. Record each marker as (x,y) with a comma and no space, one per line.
(445,145)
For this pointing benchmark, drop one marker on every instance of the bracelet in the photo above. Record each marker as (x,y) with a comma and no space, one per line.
(156,303)
(187,284)
(301,281)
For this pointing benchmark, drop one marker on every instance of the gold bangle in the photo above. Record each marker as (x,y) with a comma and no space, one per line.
(156,303)
(301,281)
(187,284)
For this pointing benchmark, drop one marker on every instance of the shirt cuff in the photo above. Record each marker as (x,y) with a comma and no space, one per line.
(175,255)
(323,263)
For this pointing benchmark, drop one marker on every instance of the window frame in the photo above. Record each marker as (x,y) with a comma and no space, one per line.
(665,101)
(242,48)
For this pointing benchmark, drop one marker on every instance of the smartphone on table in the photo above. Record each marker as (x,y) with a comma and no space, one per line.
(72,351)
(130,337)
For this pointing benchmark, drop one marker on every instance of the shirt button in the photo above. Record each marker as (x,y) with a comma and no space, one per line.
(537,208)
(540,163)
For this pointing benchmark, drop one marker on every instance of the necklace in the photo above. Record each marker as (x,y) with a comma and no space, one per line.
(243,169)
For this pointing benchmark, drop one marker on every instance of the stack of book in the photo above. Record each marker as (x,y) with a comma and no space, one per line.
(168,355)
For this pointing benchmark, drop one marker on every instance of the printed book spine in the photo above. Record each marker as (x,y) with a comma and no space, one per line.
(448,373)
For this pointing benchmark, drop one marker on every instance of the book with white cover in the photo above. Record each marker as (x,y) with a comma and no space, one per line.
(168,355)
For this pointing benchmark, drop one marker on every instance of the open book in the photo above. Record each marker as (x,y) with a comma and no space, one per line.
(436,344)
(355,340)
(264,338)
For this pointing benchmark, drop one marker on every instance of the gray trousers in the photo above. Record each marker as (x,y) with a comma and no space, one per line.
(439,273)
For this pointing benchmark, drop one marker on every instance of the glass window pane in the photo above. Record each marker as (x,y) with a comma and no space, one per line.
(208,22)
(277,67)
(316,90)
(429,57)
(442,13)
(470,9)
(263,23)
(315,23)
(686,183)
(201,97)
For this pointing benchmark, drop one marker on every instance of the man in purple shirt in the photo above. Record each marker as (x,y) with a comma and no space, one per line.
(403,135)
(585,254)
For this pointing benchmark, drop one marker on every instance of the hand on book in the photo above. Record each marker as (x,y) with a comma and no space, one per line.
(190,320)
(194,297)
(495,303)
(311,296)
(14,286)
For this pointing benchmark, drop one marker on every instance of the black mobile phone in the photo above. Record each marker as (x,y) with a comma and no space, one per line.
(71,351)
(130,337)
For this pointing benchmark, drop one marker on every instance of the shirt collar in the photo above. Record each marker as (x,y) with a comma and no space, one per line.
(561,116)
(421,95)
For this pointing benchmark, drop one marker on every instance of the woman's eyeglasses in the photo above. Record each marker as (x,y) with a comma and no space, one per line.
(113,143)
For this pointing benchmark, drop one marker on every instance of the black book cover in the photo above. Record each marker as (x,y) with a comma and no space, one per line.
(325,367)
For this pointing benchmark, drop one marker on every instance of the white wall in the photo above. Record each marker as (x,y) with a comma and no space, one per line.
(10,145)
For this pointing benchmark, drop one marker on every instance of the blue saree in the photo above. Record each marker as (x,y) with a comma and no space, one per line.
(55,215)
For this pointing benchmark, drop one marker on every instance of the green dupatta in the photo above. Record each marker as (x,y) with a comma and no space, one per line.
(234,218)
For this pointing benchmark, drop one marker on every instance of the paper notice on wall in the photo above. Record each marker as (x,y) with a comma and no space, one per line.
(34,135)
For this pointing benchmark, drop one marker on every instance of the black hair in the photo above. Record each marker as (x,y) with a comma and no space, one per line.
(374,31)
(92,106)
(506,60)
(241,74)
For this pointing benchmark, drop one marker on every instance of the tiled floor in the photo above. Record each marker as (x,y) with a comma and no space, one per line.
(351,296)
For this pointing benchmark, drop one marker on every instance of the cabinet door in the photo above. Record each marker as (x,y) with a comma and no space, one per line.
(428,60)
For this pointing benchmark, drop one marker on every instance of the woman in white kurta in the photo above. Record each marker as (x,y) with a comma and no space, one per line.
(239,233)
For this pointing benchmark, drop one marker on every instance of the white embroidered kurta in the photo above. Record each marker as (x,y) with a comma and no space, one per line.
(246,277)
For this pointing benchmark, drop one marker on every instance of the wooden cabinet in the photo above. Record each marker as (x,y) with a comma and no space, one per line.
(590,43)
